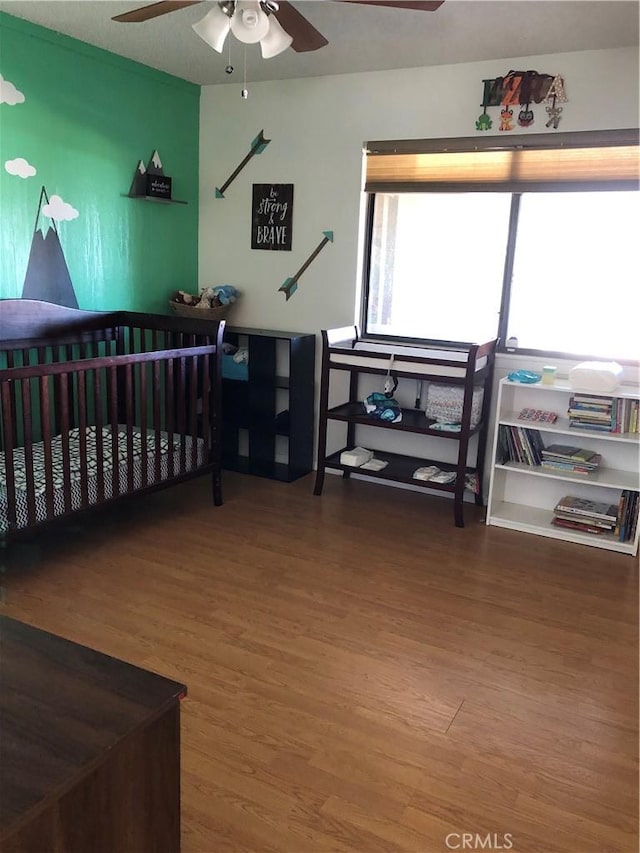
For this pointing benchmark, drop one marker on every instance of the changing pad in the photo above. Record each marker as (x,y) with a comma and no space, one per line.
(357,356)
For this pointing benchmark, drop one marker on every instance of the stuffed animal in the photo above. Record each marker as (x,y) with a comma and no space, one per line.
(383,407)
(225,293)
(211,297)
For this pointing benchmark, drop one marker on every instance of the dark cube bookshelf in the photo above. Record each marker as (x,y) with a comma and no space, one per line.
(255,404)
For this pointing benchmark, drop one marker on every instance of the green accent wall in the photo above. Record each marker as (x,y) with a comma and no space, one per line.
(88,117)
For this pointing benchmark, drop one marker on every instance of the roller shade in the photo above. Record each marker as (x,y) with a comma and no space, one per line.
(540,163)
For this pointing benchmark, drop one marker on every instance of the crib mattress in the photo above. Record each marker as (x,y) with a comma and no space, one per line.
(358,358)
(168,451)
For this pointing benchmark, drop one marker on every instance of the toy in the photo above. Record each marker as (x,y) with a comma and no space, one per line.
(506,115)
(484,121)
(210,297)
(383,408)
(223,294)
(205,303)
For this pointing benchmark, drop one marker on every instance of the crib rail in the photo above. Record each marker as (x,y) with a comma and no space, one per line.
(84,423)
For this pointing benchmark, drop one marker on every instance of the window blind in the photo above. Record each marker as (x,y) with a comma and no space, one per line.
(535,163)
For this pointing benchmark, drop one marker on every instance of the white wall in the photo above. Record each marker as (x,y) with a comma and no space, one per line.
(318,127)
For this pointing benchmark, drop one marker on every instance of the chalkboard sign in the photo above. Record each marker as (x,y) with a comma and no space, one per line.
(158,186)
(272,217)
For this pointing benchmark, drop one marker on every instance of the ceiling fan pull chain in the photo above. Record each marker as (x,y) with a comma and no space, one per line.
(229,68)
(245,91)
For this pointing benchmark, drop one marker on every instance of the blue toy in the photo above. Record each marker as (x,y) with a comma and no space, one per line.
(525,376)
(383,408)
(226,293)
(382,405)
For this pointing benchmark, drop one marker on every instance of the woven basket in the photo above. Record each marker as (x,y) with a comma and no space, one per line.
(196,313)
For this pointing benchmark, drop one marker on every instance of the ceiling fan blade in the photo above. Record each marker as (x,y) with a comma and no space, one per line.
(418,5)
(305,35)
(145,13)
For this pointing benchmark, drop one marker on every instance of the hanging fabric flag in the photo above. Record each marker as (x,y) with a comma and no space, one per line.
(556,95)
(556,90)
(484,120)
(511,88)
(525,116)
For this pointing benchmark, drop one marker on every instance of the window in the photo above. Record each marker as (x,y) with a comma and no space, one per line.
(433,254)
(575,284)
(537,244)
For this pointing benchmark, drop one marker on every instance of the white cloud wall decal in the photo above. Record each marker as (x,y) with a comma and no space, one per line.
(59,210)
(20,167)
(9,94)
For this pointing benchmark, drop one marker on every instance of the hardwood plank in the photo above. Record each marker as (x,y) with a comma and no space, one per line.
(378,833)
(594,793)
(499,729)
(326,783)
(438,821)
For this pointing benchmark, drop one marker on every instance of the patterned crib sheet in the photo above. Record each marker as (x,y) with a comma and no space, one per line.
(124,460)
(20,467)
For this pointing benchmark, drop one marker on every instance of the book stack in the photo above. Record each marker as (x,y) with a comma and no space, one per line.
(585,515)
(518,444)
(592,413)
(626,415)
(577,460)
(627,516)
(604,414)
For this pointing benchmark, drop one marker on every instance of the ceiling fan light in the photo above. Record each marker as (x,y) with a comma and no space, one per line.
(249,23)
(276,40)
(213,28)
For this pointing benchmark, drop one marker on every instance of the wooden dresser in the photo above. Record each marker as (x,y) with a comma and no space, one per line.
(89,749)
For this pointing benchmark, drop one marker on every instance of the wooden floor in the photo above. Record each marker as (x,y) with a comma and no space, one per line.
(362,675)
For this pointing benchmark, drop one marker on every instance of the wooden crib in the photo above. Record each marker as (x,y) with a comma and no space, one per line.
(96,406)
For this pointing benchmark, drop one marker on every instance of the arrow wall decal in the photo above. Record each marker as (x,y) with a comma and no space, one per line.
(291,284)
(257,147)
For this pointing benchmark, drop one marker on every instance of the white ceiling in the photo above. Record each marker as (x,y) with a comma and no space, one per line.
(361,38)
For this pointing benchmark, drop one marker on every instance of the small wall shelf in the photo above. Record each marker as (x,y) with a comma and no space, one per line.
(155,200)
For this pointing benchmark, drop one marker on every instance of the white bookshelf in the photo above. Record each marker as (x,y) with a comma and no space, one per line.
(522,497)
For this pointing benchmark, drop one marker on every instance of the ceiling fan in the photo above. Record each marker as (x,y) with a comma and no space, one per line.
(253,20)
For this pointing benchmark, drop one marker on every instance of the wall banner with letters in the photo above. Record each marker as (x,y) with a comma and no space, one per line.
(272,217)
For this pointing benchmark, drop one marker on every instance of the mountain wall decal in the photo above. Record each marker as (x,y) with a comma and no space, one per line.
(47,277)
